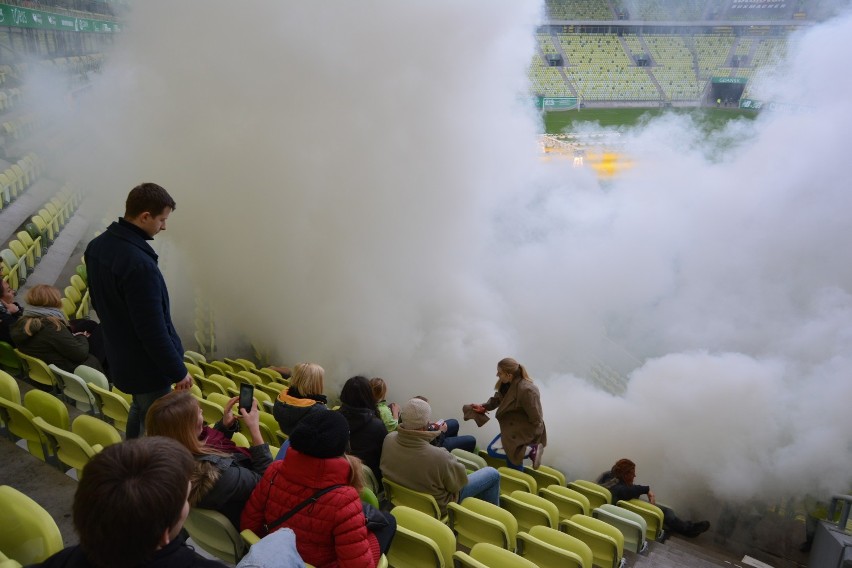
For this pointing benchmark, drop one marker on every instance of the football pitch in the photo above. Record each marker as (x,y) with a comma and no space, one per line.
(709,118)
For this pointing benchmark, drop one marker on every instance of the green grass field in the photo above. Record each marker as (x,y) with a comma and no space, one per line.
(710,118)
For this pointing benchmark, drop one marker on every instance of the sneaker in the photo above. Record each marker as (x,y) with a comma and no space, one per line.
(536,451)
(697,528)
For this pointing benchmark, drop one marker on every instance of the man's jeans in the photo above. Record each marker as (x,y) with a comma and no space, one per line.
(139,408)
(483,484)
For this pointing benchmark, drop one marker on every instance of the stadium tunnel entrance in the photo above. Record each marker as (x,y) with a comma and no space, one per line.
(725,91)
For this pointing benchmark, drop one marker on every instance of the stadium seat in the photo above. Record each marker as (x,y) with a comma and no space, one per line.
(69,448)
(19,423)
(193,369)
(530,510)
(95,431)
(474,520)
(9,388)
(38,371)
(29,533)
(485,555)
(48,407)
(631,525)
(91,375)
(492,461)
(111,405)
(652,515)
(421,541)
(545,476)
(605,541)
(403,496)
(512,480)
(213,532)
(75,389)
(194,356)
(10,361)
(208,386)
(568,501)
(211,411)
(471,461)
(372,481)
(596,494)
(549,548)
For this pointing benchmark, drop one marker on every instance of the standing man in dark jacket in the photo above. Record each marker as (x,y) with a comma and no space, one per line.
(129,294)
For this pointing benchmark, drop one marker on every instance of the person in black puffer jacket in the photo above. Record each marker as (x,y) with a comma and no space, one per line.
(366,430)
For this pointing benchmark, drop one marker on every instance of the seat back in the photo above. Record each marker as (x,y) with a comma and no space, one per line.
(76,389)
(372,481)
(568,501)
(596,494)
(512,480)
(471,461)
(631,525)
(421,540)
(111,405)
(272,374)
(213,532)
(474,520)
(652,515)
(29,534)
(96,432)
(48,407)
(492,461)
(211,411)
(208,385)
(9,388)
(496,557)
(195,356)
(400,495)
(71,449)
(542,503)
(78,283)
(236,364)
(193,369)
(527,514)
(605,541)
(10,360)
(73,294)
(38,371)
(19,423)
(571,552)
(546,476)
(91,375)
(227,384)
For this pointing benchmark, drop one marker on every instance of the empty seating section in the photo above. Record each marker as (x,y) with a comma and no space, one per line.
(713,52)
(579,10)
(674,67)
(601,70)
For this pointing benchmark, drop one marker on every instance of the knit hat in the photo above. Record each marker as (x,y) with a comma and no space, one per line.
(321,434)
(415,415)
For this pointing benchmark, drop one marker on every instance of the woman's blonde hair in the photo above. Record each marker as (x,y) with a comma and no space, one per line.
(356,472)
(308,379)
(380,388)
(511,367)
(175,416)
(42,296)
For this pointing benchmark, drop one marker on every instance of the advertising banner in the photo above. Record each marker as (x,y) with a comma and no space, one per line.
(39,19)
(555,103)
(758,8)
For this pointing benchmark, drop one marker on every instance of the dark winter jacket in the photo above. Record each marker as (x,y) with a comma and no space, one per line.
(520,417)
(289,409)
(176,554)
(54,346)
(620,490)
(331,532)
(366,435)
(7,320)
(224,483)
(130,297)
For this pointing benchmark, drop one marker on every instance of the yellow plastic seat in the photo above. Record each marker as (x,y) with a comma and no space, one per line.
(10,361)
(208,385)
(220,399)
(372,481)
(229,386)
(30,241)
(38,371)
(69,448)
(213,532)
(29,533)
(19,423)
(76,389)
(512,480)
(596,494)
(546,476)
(272,389)
(470,460)
(73,294)
(195,356)
(530,510)
(209,368)
(111,405)
(68,308)
(568,501)
(78,283)
(96,432)
(28,254)
(652,515)
(211,411)
(605,541)
(48,407)
(9,388)
(492,461)
(632,526)
(272,374)
(193,369)
(487,555)
(421,541)
(247,364)
(549,548)
(474,520)
(236,364)
(400,495)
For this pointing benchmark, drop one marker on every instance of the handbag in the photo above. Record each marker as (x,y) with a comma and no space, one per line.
(375,519)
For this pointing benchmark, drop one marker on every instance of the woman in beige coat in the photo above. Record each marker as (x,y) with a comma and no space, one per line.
(518,405)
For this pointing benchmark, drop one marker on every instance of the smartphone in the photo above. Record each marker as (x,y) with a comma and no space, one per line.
(246,396)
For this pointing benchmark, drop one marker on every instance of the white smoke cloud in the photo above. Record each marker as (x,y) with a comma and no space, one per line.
(358,185)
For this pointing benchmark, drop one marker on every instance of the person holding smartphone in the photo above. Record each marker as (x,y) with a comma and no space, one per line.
(225,474)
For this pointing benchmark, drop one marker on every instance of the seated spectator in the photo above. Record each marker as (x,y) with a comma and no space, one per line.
(448,434)
(129,509)
(389,413)
(10,312)
(303,396)
(366,430)
(43,332)
(314,492)
(409,459)
(619,481)
(224,474)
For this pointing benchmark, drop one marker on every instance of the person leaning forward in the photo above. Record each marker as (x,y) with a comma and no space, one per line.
(129,294)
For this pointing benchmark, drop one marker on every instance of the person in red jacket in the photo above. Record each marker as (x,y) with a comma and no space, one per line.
(331,531)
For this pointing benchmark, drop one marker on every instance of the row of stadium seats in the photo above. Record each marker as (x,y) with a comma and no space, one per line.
(661,10)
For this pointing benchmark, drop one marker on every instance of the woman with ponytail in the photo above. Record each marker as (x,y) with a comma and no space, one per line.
(518,406)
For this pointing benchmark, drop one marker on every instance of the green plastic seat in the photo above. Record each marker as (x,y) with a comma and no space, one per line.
(111,405)
(194,356)
(10,361)
(530,510)
(652,515)
(546,476)
(9,388)
(568,501)
(605,541)
(48,407)
(471,461)
(75,389)
(213,532)
(596,494)
(485,555)
(19,423)
(193,369)
(38,371)
(632,526)
(95,431)
(549,548)
(372,481)
(271,374)
(400,495)
(78,283)
(367,496)
(512,480)
(228,385)
(81,272)
(236,364)
(492,461)
(29,533)
(212,412)
(421,541)
(69,448)
(208,385)
(474,520)
(73,294)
